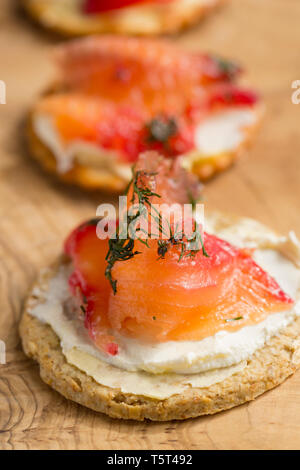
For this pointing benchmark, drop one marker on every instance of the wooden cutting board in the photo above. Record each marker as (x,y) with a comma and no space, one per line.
(36,213)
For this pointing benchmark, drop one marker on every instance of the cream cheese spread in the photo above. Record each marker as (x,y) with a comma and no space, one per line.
(224,131)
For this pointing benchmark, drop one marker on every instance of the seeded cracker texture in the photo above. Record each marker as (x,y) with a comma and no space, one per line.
(65,17)
(266,369)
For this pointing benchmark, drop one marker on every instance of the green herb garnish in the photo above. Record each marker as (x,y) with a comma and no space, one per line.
(121,249)
(161,129)
(184,243)
(226,67)
(234,319)
(192,200)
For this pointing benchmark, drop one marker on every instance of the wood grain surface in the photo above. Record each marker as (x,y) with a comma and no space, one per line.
(36,213)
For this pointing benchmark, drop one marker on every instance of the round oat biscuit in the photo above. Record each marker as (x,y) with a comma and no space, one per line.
(66,18)
(266,369)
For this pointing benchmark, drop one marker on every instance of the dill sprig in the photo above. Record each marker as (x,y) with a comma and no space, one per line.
(234,319)
(121,249)
(184,243)
(118,250)
(161,129)
(226,67)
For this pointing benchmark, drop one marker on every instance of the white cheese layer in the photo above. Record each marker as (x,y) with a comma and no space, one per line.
(224,131)
(181,357)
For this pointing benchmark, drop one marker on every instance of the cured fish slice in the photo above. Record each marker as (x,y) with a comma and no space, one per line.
(127,131)
(115,87)
(168,179)
(89,285)
(136,17)
(192,300)
(169,297)
(166,300)
(140,71)
(155,76)
(123,96)
(122,130)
